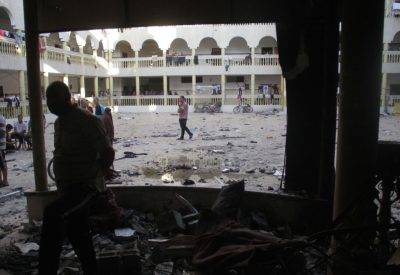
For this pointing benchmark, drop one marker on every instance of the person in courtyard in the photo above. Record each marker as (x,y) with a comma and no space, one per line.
(82,157)
(10,145)
(3,164)
(240,95)
(20,131)
(98,108)
(183,110)
(28,137)
(108,123)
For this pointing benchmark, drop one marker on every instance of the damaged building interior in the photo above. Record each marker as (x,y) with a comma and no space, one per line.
(334,216)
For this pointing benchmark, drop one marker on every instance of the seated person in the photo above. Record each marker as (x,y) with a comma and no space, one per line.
(10,144)
(20,131)
(28,137)
(98,108)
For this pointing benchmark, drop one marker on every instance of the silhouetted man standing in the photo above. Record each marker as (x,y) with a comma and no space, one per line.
(82,156)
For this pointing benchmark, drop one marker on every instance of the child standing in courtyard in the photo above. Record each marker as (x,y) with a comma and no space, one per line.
(183,111)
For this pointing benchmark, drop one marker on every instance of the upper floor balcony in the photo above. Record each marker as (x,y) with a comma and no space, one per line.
(53,60)
(196,65)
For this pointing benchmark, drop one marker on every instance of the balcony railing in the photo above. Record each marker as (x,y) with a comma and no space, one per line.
(391,57)
(51,53)
(123,63)
(160,100)
(151,62)
(70,57)
(266,60)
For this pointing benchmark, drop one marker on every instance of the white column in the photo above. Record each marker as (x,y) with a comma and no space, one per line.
(22,87)
(66,80)
(165,88)
(193,54)
(65,48)
(112,91)
(193,90)
(252,87)
(137,88)
(137,85)
(107,84)
(223,57)
(81,52)
(384,80)
(45,53)
(164,53)
(223,88)
(45,80)
(82,86)
(283,93)
(95,57)
(96,86)
(136,59)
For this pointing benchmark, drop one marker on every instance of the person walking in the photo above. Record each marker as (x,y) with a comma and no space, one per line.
(82,157)
(183,111)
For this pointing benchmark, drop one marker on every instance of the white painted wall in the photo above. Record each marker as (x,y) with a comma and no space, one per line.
(9,80)
(15,10)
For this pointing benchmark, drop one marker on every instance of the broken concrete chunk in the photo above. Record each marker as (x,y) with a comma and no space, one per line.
(124,232)
(165,268)
(226,170)
(27,247)
(278,173)
(167,178)
(218,151)
(250,171)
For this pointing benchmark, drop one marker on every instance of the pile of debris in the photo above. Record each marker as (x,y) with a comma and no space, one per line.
(180,240)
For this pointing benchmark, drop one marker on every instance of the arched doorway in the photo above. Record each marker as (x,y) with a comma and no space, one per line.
(123,50)
(267,45)
(208,46)
(5,20)
(237,45)
(394,45)
(178,53)
(150,48)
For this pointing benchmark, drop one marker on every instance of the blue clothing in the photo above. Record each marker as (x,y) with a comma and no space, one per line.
(99,111)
